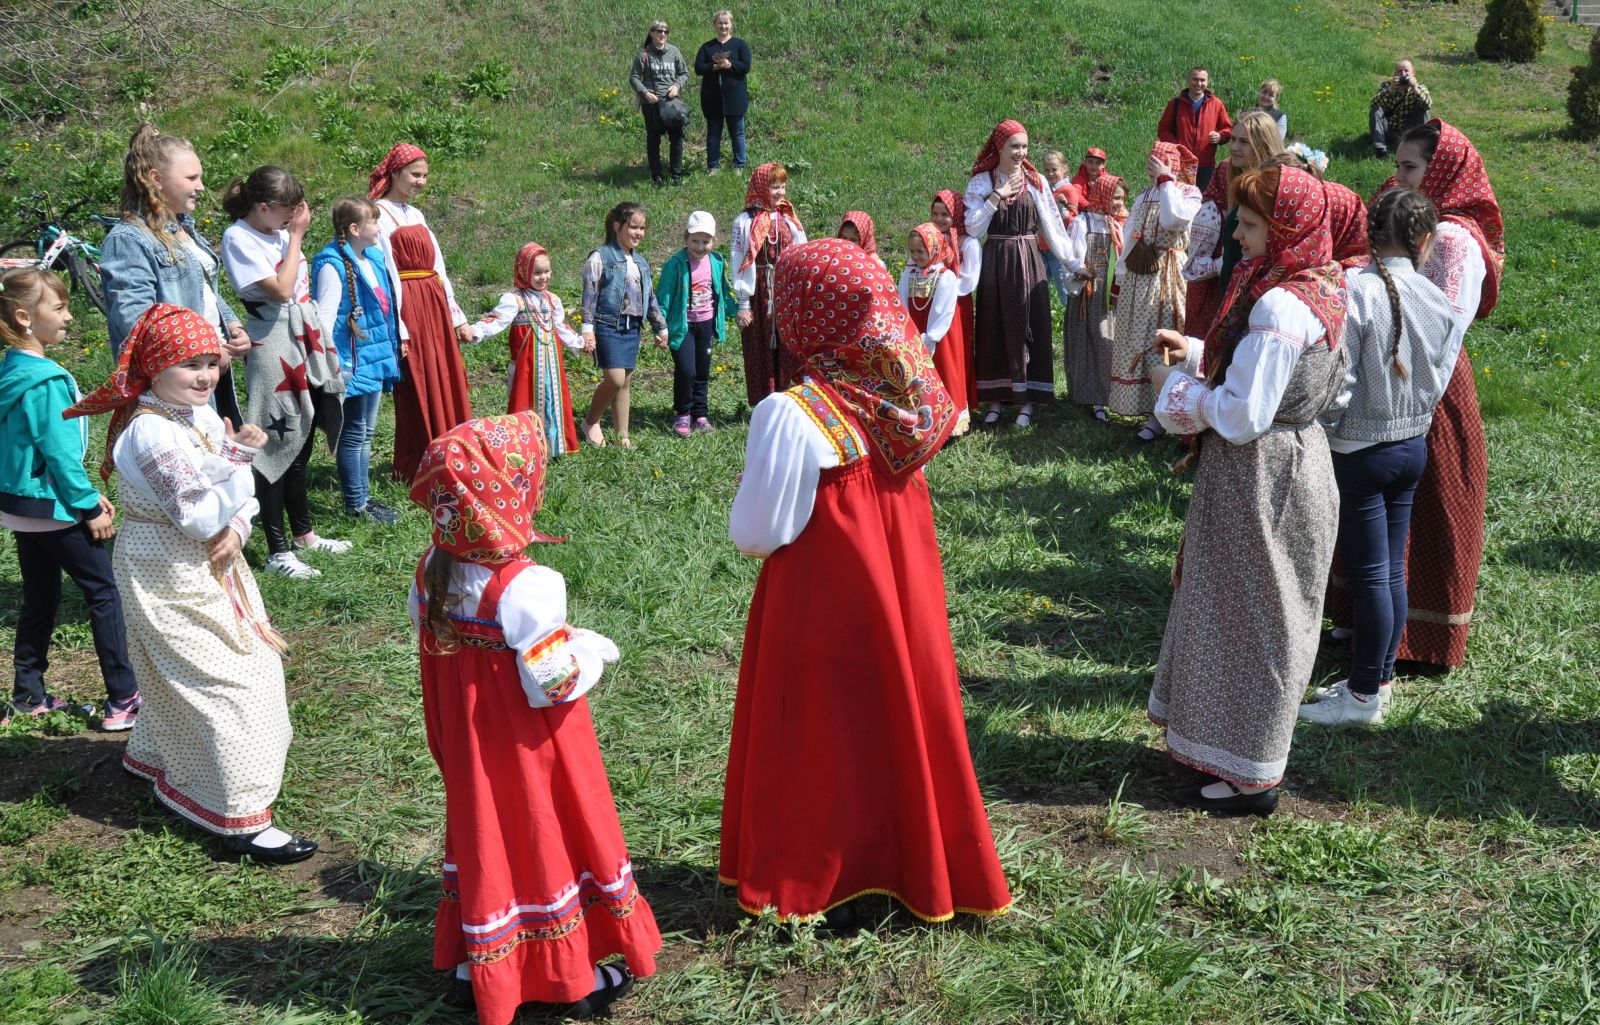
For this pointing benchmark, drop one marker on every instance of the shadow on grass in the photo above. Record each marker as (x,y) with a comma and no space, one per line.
(1557,555)
(1586,218)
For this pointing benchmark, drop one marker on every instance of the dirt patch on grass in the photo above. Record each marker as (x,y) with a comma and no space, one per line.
(21,912)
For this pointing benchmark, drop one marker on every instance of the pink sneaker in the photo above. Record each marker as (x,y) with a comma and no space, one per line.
(703,425)
(120,715)
(680,427)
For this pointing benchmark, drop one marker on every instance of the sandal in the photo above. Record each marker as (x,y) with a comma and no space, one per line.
(618,984)
(593,434)
(1024,418)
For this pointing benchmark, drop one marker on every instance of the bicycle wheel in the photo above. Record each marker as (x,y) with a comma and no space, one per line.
(85,275)
(21,249)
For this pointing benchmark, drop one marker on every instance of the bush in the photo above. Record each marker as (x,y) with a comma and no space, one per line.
(1512,31)
(1583,94)
(490,80)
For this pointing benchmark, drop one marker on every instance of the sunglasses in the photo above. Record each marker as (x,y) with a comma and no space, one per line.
(661,31)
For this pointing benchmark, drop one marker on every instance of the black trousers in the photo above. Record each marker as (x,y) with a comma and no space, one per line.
(42,556)
(691,365)
(286,494)
(654,130)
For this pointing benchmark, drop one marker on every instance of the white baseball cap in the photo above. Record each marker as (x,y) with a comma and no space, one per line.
(700,223)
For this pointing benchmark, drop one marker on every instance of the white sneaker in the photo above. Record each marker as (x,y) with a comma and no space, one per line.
(1385,692)
(1343,708)
(313,543)
(288,564)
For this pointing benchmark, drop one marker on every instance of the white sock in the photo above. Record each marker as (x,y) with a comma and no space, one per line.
(1221,789)
(463,970)
(270,838)
(1341,634)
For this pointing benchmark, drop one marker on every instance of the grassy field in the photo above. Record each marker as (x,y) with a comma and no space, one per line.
(1442,868)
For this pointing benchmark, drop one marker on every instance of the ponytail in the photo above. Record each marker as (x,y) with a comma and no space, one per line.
(266,184)
(24,288)
(1400,218)
(437,603)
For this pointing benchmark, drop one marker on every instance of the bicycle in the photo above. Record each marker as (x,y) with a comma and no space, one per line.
(52,243)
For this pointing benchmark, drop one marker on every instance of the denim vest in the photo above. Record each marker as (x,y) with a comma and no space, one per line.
(373,362)
(137,271)
(614,284)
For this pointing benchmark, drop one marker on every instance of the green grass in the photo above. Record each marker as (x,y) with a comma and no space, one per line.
(1442,868)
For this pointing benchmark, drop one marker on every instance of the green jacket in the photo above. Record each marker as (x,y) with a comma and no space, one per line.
(672,293)
(41,455)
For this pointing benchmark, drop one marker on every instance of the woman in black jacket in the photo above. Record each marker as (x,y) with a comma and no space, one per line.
(658,77)
(722,65)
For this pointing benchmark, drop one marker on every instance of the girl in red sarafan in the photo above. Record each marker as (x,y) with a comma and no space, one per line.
(538,887)
(848,771)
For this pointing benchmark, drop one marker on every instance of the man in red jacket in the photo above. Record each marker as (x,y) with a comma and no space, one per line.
(1196,120)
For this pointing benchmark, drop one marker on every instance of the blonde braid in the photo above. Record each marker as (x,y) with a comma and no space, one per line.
(150,152)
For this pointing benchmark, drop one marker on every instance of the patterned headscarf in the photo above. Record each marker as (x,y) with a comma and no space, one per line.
(1347,223)
(1217,189)
(1459,187)
(522,272)
(382,176)
(164,336)
(863,225)
(840,315)
(958,224)
(1183,163)
(482,483)
(1299,259)
(936,242)
(989,156)
(769,220)
(1103,200)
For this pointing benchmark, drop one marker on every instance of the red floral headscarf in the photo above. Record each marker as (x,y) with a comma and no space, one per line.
(522,271)
(382,176)
(989,156)
(936,242)
(1459,187)
(482,482)
(1183,163)
(1299,259)
(164,336)
(1347,223)
(1103,200)
(958,224)
(840,315)
(764,224)
(863,225)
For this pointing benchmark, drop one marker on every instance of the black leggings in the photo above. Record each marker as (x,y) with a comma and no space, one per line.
(286,494)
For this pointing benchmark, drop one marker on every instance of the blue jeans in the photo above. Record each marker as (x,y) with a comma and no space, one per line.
(1376,486)
(354,455)
(714,140)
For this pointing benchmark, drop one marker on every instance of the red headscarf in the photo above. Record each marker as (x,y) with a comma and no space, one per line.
(1178,158)
(1217,189)
(382,176)
(1347,222)
(164,336)
(989,156)
(522,272)
(1299,259)
(936,242)
(863,225)
(1459,186)
(958,224)
(840,315)
(482,482)
(1103,200)
(764,225)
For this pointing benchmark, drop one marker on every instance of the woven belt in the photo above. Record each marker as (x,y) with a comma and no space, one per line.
(1008,237)
(413,275)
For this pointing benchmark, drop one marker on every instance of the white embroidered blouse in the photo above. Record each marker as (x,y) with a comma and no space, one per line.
(1178,203)
(744,278)
(556,663)
(980,210)
(179,467)
(936,292)
(505,312)
(1243,406)
(1205,259)
(1455,263)
(784,457)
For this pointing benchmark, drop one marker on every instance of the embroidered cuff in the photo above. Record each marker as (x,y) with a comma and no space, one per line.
(241,526)
(552,668)
(1181,405)
(237,454)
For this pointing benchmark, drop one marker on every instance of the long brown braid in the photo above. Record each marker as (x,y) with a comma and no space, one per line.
(150,152)
(347,213)
(439,602)
(1400,217)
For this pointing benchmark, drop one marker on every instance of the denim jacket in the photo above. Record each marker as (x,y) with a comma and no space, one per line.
(137,272)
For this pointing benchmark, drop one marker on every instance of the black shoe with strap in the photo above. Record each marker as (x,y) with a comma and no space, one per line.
(1263,802)
(618,984)
(298,848)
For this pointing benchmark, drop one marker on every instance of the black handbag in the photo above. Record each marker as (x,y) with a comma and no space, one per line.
(674,113)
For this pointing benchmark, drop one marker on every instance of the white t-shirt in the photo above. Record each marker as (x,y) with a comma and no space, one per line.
(250,257)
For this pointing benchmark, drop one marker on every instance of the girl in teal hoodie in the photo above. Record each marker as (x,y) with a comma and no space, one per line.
(59,520)
(695,297)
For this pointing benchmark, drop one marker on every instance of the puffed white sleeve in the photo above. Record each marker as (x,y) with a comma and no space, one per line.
(1179,204)
(557,662)
(1455,264)
(570,338)
(905,287)
(942,310)
(1135,216)
(1204,261)
(1077,250)
(154,456)
(1049,212)
(979,210)
(971,265)
(784,456)
(744,278)
(497,319)
(457,318)
(387,222)
(1244,405)
(799,233)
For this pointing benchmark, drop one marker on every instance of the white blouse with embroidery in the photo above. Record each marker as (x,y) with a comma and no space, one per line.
(938,292)
(556,663)
(169,474)
(971,265)
(980,211)
(395,216)
(1205,259)
(1455,264)
(1243,406)
(784,457)
(506,310)
(1179,203)
(744,278)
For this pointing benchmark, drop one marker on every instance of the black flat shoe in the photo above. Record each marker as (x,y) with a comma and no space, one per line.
(297,849)
(619,983)
(380,513)
(844,919)
(461,994)
(1327,639)
(1263,803)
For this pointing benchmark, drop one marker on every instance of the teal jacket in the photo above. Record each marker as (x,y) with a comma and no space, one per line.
(672,293)
(41,455)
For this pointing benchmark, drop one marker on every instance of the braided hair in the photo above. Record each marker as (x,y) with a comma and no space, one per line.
(347,213)
(149,154)
(1399,218)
